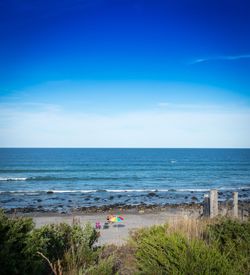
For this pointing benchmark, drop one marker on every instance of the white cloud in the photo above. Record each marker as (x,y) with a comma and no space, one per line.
(222,57)
(57,128)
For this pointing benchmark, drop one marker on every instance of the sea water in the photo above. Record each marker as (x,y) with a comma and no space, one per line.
(63,178)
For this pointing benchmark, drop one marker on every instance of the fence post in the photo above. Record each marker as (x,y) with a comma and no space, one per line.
(206,206)
(235,204)
(213,203)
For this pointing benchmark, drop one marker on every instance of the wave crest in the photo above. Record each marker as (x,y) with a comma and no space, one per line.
(13,179)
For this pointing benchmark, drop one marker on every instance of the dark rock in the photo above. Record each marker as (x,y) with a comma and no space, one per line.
(96,199)
(50,192)
(194,198)
(111,197)
(152,194)
(39,200)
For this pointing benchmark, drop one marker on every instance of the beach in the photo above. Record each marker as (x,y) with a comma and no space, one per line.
(117,233)
(134,218)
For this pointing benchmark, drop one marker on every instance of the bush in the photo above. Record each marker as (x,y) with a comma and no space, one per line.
(20,242)
(104,267)
(81,253)
(158,252)
(73,245)
(233,239)
(223,247)
(123,258)
(14,234)
(51,240)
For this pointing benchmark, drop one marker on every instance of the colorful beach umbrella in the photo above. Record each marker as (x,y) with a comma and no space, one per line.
(116,219)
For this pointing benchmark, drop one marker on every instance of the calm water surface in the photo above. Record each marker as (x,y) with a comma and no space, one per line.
(95,177)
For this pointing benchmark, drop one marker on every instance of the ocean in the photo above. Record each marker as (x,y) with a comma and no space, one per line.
(61,179)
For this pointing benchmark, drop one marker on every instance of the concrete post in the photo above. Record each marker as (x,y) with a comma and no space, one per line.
(235,204)
(213,203)
(206,206)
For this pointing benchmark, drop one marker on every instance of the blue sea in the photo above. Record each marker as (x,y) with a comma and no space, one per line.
(63,179)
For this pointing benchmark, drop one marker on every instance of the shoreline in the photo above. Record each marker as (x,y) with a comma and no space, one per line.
(122,208)
(103,201)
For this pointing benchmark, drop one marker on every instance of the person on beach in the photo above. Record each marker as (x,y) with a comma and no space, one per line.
(98,225)
(109,217)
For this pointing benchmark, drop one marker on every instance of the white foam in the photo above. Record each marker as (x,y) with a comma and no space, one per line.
(123,190)
(12,179)
(236,188)
(130,190)
(191,190)
(71,191)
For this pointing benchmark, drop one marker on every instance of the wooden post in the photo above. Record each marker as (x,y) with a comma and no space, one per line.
(242,214)
(206,206)
(213,203)
(235,204)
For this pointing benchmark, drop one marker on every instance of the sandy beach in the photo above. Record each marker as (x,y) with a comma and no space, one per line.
(134,218)
(117,233)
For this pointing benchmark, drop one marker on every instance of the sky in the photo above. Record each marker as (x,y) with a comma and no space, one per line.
(125,73)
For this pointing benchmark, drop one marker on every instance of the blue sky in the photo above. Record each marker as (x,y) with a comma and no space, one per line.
(81,73)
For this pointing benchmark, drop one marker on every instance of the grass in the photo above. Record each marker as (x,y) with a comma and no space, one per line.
(189,227)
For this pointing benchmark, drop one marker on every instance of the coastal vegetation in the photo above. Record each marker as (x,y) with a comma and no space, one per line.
(219,246)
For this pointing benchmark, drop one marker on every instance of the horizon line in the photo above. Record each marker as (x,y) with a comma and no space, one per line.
(124,147)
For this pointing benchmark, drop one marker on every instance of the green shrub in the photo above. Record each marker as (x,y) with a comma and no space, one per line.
(233,239)
(14,234)
(51,240)
(158,252)
(104,267)
(123,258)
(223,248)
(73,245)
(20,242)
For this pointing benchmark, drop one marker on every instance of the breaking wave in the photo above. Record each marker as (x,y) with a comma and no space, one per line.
(51,191)
(13,179)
